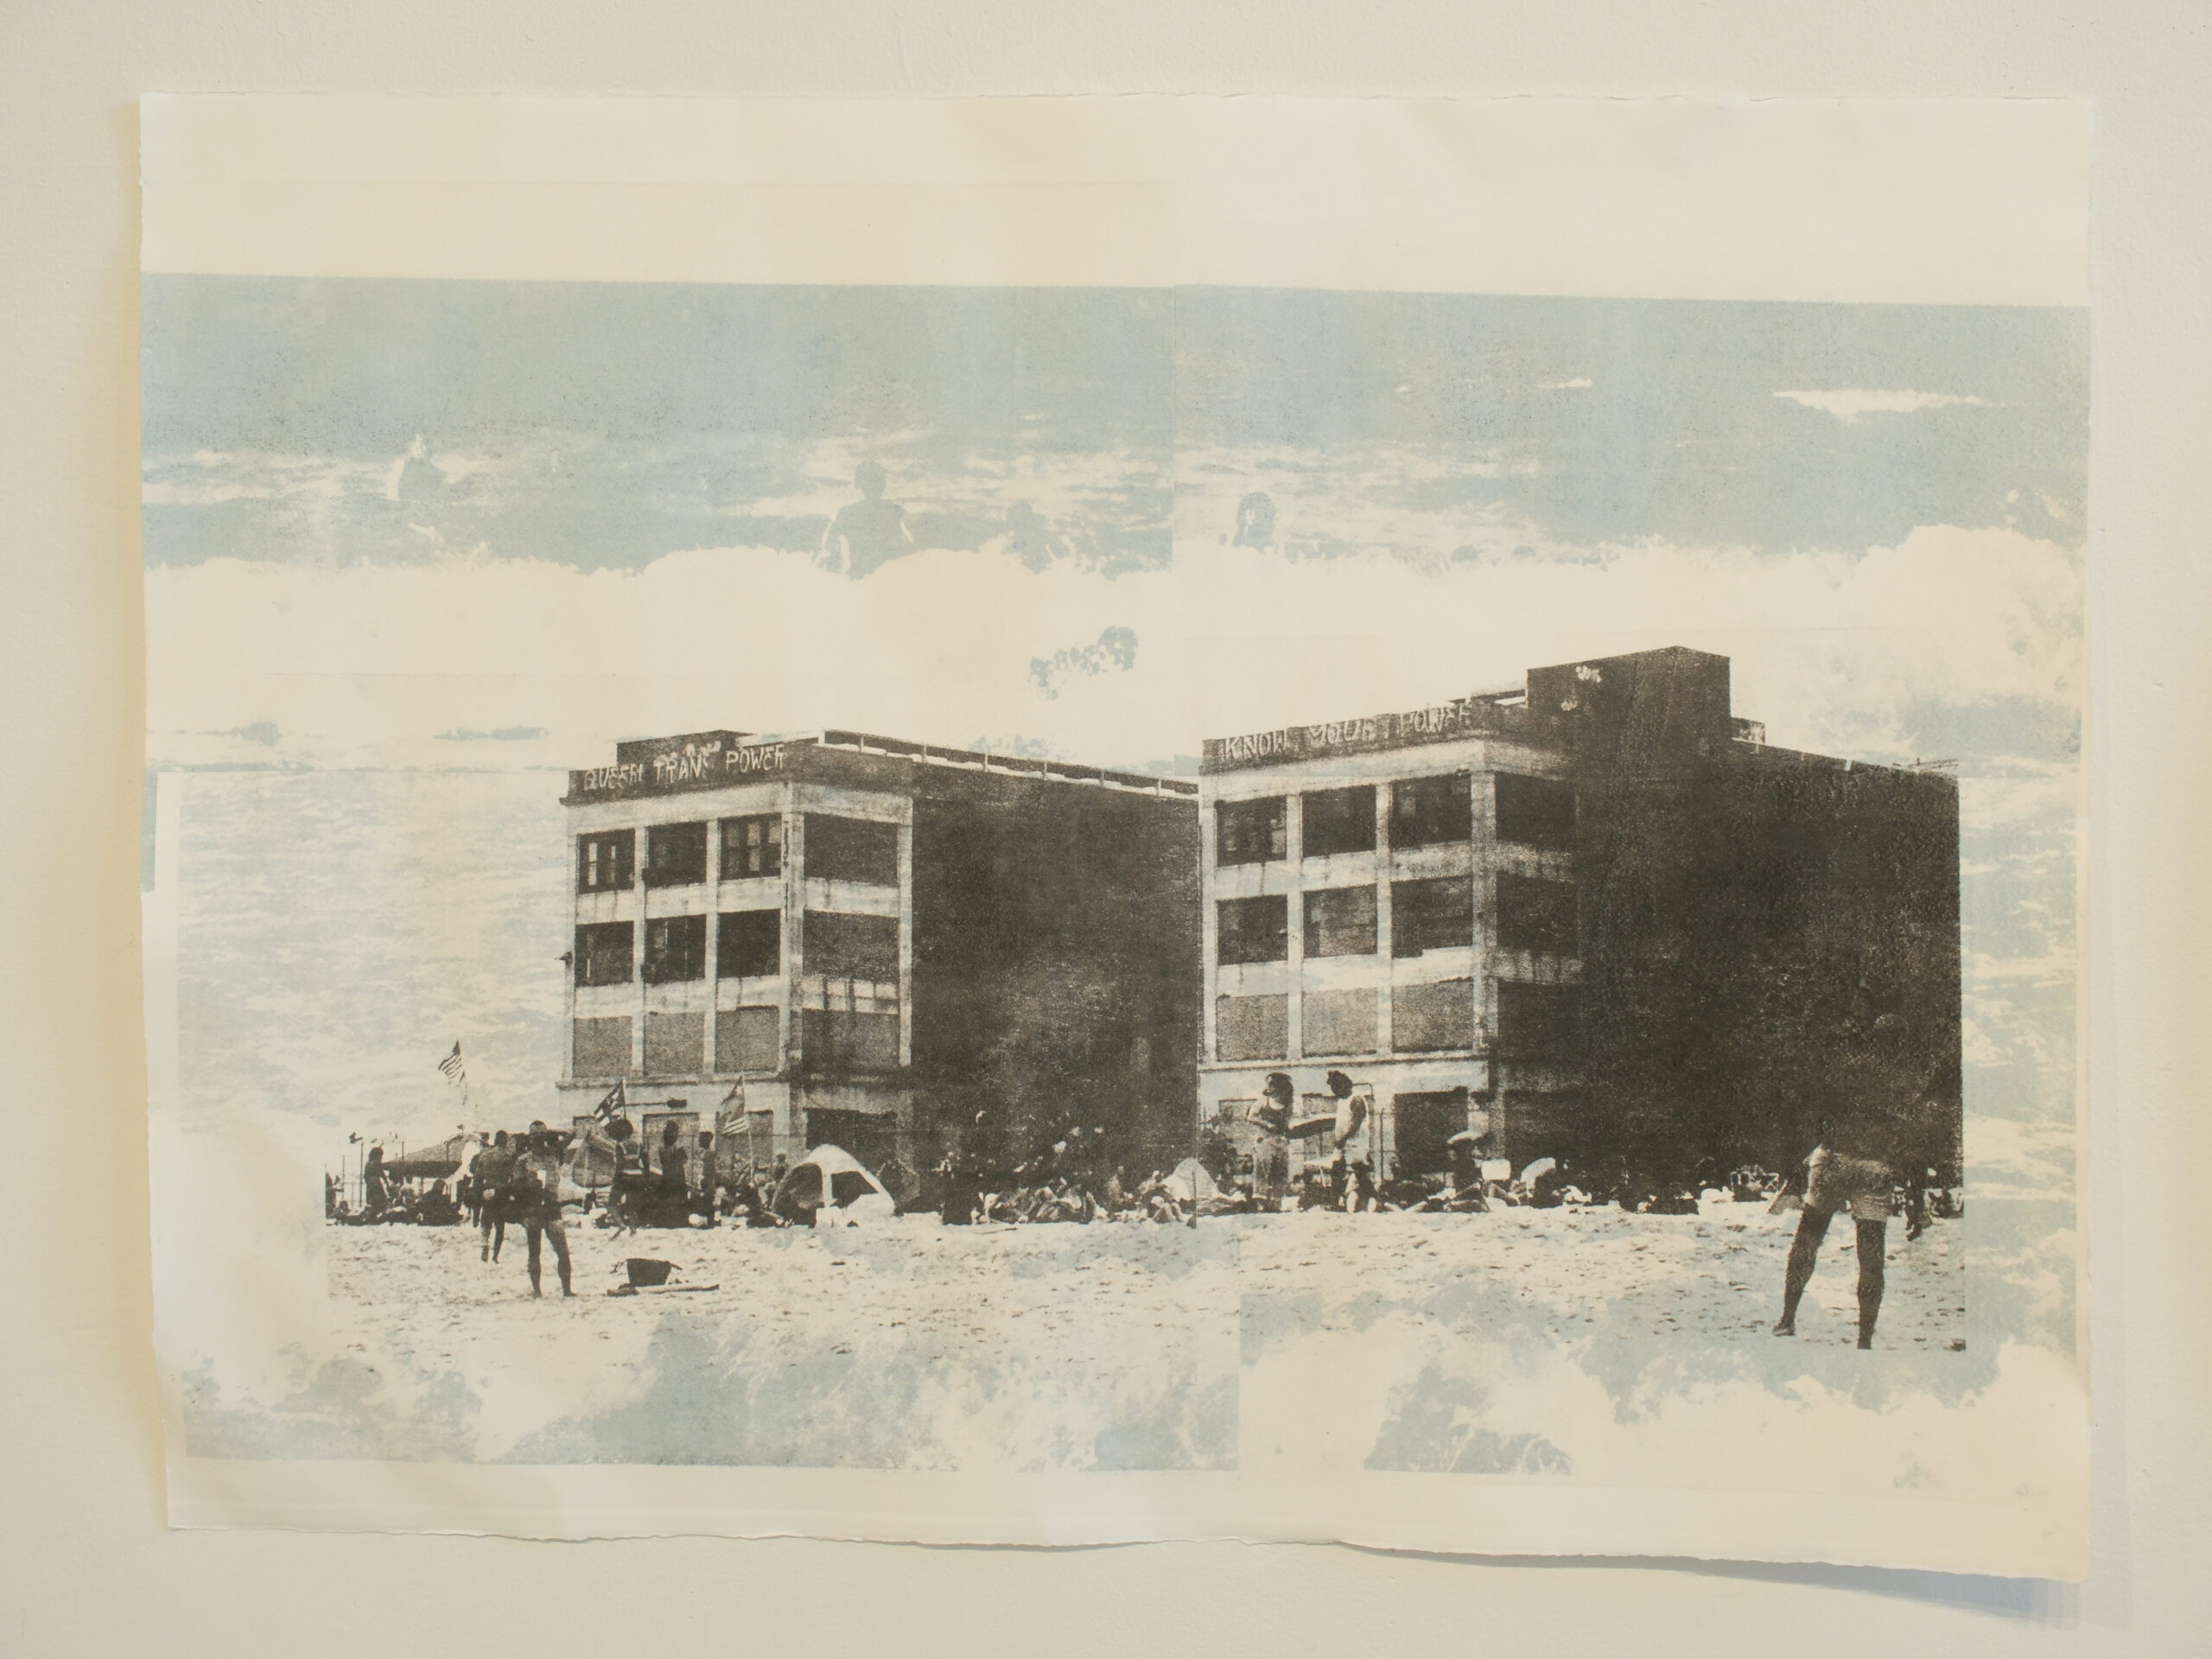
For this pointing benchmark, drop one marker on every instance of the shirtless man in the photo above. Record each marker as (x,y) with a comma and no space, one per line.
(1354,1139)
(1852,1169)
(535,1186)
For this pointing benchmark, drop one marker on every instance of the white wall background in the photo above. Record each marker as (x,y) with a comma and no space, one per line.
(87,1565)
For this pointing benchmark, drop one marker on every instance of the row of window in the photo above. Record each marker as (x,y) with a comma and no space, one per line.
(745,1039)
(837,850)
(1431,914)
(1534,1021)
(1424,812)
(748,944)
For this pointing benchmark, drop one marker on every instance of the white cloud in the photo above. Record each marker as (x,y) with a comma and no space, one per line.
(367,666)
(1851,404)
(1580,383)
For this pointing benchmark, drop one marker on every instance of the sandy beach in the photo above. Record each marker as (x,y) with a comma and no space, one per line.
(1112,1345)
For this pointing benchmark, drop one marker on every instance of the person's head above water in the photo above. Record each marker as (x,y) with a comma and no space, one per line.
(1255,520)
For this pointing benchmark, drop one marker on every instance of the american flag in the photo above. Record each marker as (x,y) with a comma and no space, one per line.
(450,1066)
(611,1107)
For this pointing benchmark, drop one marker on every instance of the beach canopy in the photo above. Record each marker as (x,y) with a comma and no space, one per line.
(432,1163)
(835,1171)
(1190,1183)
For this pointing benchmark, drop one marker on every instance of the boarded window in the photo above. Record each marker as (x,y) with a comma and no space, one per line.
(675,1044)
(603,1047)
(1428,1018)
(1249,832)
(675,950)
(676,855)
(1540,1022)
(752,847)
(1338,820)
(852,849)
(852,947)
(747,1039)
(1253,929)
(749,944)
(1534,915)
(1338,1022)
(1435,914)
(1535,811)
(604,953)
(1427,811)
(843,1039)
(604,861)
(1340,922)
(1251,1027)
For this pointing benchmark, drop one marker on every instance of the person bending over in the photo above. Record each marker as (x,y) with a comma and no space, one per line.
(1840,1178)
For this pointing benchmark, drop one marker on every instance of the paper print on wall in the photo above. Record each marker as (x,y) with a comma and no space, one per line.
(924,897)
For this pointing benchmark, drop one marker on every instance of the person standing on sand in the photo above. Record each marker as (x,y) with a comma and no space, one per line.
(1851,1169)
(1271,1157)
(1354,1137)
(708,1177)
(375,1192)
(493,1166)
(1840,1178)
(535,1186)
(672,1180)
(465,1187)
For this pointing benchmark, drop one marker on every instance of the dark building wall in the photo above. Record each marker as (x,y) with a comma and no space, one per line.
(1828,903)
(1771,940)
(1055,969)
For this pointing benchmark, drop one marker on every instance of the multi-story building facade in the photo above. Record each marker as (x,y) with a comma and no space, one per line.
(868,941)
(1594,915)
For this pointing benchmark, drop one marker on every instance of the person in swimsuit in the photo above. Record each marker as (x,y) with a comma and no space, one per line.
(1354,1139)
(1271,1157)
(1887,1078)
(490,1172)
(1839,1178)
(535,1187)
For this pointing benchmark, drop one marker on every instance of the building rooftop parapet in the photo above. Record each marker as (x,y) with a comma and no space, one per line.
(1771,754)
(647,767)
(1022,765)
(1672,695)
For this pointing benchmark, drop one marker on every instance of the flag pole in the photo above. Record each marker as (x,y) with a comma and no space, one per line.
(1197,1114)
